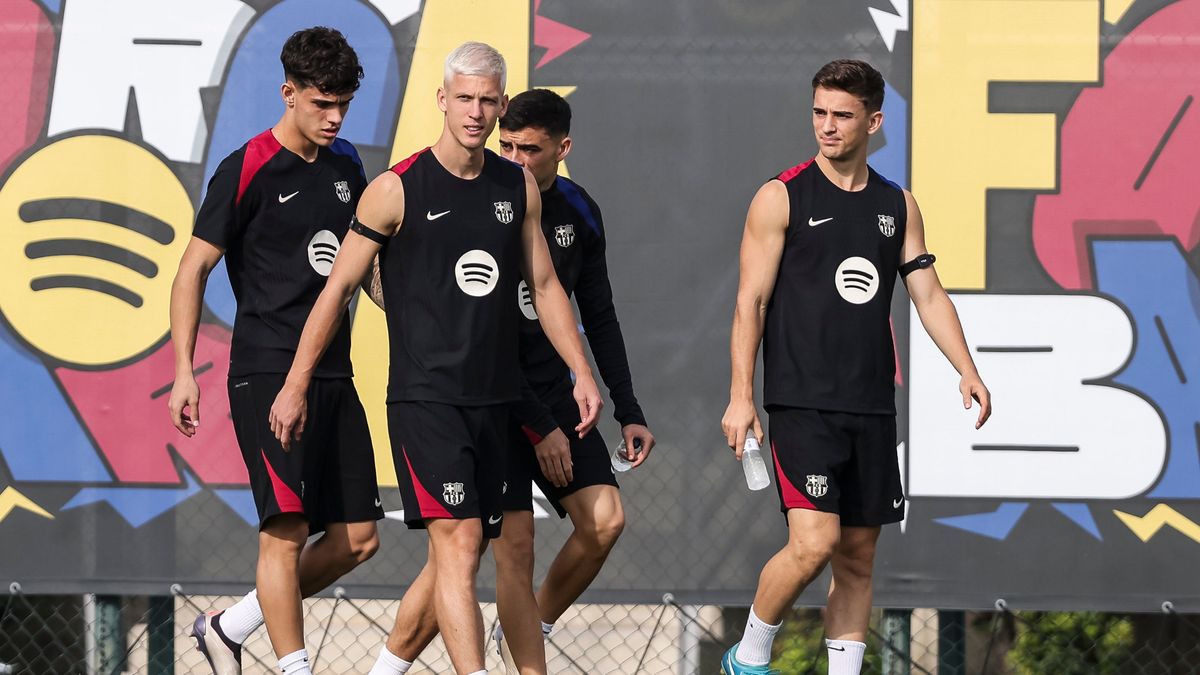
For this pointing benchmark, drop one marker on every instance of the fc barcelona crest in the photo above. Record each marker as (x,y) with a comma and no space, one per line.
(504,212)
(564,235)
(817,485)
(452,493)
(343,191)
(887,225)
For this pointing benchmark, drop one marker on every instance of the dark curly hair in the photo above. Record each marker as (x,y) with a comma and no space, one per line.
(538,108)
(856,78)
(320,57)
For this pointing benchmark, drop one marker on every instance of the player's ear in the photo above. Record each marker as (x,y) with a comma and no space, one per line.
(503,105)
(875,122)
(564,148)
(288,91)
(441,98)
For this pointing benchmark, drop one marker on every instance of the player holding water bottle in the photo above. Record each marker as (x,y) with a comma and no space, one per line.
(821,249)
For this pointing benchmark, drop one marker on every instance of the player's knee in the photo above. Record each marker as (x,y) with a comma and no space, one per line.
(815,553)
(854,564)
(514,555)
(364,546)
(283,535)
(609,529)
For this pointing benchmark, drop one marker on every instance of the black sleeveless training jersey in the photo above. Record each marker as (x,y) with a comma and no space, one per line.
(574,231)
(827,343)
(281,221)
(449,278)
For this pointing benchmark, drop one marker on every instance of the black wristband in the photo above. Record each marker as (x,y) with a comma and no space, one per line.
(367,232)
(918,263)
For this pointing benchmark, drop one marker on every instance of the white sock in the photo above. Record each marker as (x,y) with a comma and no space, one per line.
(295,663)
(239,621)
(755,648)
(845,656)
(546,628)
(478,672)
(389,664)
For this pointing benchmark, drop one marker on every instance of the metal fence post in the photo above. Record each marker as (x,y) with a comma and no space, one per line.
(952,643)
(161,619)
(897,632)
(110,638)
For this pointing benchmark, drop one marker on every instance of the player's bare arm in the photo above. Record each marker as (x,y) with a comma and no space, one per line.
(187,300)
(758,265)
(372,284)
(554,309)
(938,315)
(380,212)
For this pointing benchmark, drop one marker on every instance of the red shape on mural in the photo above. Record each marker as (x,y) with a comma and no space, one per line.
(125,410)
(27,43)
(1129,149)
(557,38)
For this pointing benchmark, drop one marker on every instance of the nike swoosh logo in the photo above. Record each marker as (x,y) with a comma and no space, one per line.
(378,503)
(837,649)
(494,519)
(430,215)
(814,223)
(896,503)
(283,199)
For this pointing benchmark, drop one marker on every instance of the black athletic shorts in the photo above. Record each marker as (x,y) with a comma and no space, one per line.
(449,461)
(329,474)
(837,462)
(589,459)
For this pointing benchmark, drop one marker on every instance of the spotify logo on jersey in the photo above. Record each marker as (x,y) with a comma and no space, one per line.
(856,280)
(525,301)
(322,251)
(477,273)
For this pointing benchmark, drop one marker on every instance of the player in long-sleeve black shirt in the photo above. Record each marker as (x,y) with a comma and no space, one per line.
(574,473)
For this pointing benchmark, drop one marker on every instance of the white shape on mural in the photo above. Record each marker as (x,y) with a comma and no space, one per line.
(396,11)
(165,51)
(1054,434)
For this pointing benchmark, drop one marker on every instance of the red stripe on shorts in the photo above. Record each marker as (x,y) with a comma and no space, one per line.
(284,496)
(792,498)
(430,507)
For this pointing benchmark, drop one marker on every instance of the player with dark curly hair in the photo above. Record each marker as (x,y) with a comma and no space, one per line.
(277,209)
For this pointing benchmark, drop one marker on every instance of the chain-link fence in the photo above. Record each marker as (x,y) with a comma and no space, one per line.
(107,635)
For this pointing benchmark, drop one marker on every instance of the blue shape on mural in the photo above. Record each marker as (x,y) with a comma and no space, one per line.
(892,159)
(41,439)
(139,505)
(1153,280)
(52,6)
(1081,515)
(242,503)
(250,100)
(996,524)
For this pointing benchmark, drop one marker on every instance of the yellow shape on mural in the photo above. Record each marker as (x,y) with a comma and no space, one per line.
(91,231)
(1115,9)
(445,24)
(10,499)
(959,149)
(1160,516)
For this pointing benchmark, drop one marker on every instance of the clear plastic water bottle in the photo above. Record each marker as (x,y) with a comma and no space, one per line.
(620,463)
(753,465)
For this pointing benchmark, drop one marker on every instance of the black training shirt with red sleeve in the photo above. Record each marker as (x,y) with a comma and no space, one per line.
(449,278)
(280,221)
(827,342)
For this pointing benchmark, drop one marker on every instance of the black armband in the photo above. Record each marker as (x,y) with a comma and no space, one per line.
(367,232)
(918,263)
